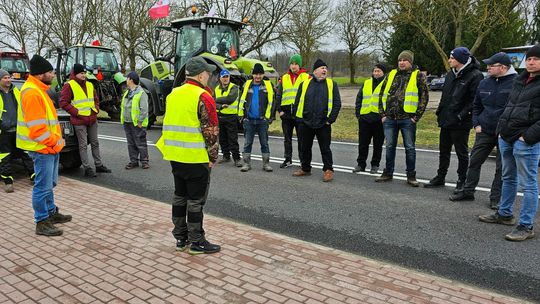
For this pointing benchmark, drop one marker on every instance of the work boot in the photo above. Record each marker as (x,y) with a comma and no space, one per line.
(497,219)
(462,196)
(89,172)
(103,169)
(247,162)
(459,186)
(437,181)
(58,218)
(328,176)
(385,177)
(46,228)
(203,247)
(374,170)
(238,163)
(286,163)
(224,159)
(301,172)
(8,188)
(520,233)
(266,162)
(494,205)
(411,179)
(358,168)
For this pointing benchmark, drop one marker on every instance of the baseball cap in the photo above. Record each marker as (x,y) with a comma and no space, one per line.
(500,57)
(224,73)
(197,65)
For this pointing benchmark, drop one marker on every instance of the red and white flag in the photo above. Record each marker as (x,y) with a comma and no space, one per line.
(159,10)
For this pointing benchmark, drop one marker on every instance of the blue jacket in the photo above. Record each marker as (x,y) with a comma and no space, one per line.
(490,100)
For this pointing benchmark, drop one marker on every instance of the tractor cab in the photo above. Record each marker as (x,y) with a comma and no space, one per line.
(16,63)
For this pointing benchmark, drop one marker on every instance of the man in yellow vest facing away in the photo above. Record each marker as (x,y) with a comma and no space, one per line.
(369,120)
(10,96)
(285,95)
(39,133)
(226,96)
(402,102)
(189,140)
(134,118)
(80,100)
(316,108)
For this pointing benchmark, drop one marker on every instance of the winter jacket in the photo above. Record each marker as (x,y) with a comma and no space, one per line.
(521,116)
(287,109)
(491,98)
(66,97)
(263,101)
(8,119)
(226,100)
(143,105)
(315,113)
(370,117)
(455,108)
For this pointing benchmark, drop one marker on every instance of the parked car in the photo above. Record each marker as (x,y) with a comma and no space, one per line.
(436,84)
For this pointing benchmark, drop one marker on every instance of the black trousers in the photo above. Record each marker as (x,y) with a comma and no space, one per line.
(9,148)
(460,140)
(366,132)
(228,136)
(288,125)
(324,137)
(191,183)
(483,145)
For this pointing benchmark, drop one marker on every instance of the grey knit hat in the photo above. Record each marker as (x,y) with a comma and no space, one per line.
(3,73)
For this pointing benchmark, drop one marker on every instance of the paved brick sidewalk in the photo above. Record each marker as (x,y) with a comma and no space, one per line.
(119,249)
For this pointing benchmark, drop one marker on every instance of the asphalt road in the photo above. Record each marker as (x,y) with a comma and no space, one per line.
(414,227)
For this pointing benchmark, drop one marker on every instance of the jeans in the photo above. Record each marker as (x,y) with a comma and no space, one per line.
(460,140)
(259,126)
(519,166)
(46,178)
(324,137)
(408,132)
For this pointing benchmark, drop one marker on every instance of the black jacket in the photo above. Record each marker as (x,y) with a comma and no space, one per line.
(491,98)
(8,119)
(315,113)
(521,117)
(370,117)
(455,108)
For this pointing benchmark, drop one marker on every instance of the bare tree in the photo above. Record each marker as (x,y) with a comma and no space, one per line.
(16,26)
(355,28)
(309,27)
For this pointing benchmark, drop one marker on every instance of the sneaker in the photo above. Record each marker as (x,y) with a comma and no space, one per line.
(437,181)
(203,247)
(8,188)
(494,205)
(358,169)
(89,172)
(462,196)
(181,245)
(46,228)
(328,176)
(59,218)
(520,233)
(301,172)
(385,177)
(130,166)
(374,170)
(223,159)
(103,169)
(286,164)
(498,219)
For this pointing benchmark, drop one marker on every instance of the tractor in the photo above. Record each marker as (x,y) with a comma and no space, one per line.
(215,39)
(16,63)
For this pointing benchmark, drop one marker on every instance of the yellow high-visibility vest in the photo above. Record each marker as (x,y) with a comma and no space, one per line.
(329,85)
(289,89)
(233,107)
(270,91)
(135,111)
(17,94)
(181,138)
(370,100)
(410,103)
(81,101)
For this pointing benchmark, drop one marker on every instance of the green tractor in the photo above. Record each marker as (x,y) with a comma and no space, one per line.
(217,40)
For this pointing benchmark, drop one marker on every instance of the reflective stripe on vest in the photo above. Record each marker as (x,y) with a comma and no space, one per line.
(17,94)
(181,138)
(370,100)
(81,101)
(289,89)
(23,140)
(233,107)
(135,109)
(410,104)
(270,91)
(329,85)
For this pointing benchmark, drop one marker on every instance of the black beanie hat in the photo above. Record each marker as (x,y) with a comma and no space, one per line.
(534,51)
(78,68)
(134,76)
(39,65)
(257,69)
(319,63)
(381,66)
